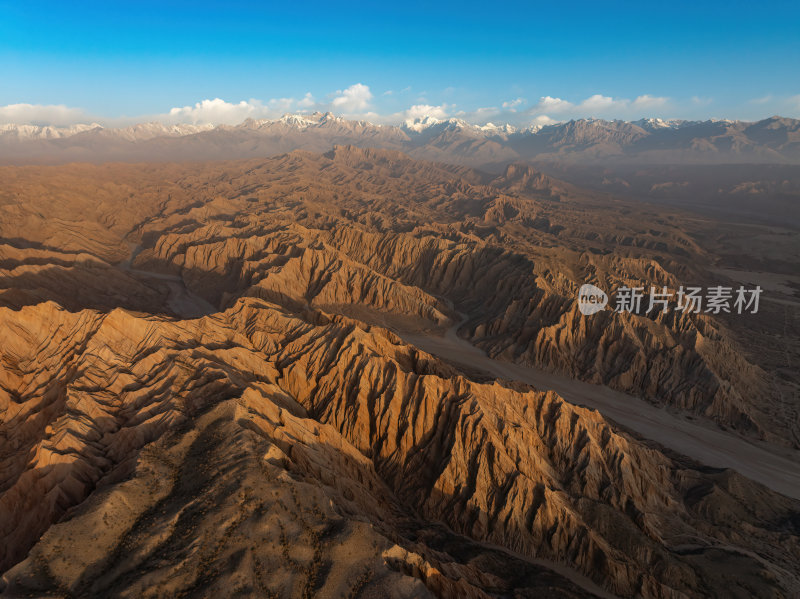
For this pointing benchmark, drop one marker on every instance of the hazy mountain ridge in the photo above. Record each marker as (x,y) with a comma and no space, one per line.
(772,140)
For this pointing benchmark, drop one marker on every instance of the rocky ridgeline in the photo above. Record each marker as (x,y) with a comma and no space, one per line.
(373,425)
(372,232)
(199,384)
(518,310)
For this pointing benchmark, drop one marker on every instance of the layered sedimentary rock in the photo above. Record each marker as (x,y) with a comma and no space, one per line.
(377,230)
(410,239)
(152,416)
(201,389)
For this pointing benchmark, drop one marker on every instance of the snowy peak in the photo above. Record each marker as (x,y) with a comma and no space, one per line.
(654,124)
(298,121)
(432,125)
(493,129)
(421,124)
(145,131)
(139,132)
(652,140)
(418,125)
(31,132)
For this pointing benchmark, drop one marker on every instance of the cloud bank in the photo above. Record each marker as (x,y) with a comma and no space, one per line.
(42,114)
(358,102)
(351,101)
(354,99)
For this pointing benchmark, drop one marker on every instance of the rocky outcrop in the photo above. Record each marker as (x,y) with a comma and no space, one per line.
(200,386)
(389,433)
(380,236)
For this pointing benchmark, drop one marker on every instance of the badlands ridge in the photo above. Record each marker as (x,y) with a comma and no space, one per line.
(205,388)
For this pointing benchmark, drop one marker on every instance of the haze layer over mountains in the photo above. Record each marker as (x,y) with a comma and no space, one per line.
(647,141)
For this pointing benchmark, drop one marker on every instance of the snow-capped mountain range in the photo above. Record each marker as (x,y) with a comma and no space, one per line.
(653,140)
(137,132)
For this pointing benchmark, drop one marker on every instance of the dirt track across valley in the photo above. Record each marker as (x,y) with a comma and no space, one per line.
(776,468)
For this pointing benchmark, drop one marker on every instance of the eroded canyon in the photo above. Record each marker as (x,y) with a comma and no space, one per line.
(209,386)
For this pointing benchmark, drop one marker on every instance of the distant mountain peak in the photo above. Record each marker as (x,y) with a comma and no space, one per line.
(653,124)
(419,124)
(454,140)
(30,132)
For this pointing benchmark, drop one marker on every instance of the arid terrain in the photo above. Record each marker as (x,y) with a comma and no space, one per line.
(342,371)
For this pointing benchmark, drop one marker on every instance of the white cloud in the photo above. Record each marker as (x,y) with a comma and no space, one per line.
(356,102)
(599,103)
(42,114)
(307,101)
(281,105)
(218,112)
(648,102)
(419,114)
(354,99)
(221,112)
(483,113)
(420,111)
(700,101)
(543,120)
(552,105)
(372,117)
(512,104)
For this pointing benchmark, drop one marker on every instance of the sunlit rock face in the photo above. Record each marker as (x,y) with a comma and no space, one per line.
(205,390)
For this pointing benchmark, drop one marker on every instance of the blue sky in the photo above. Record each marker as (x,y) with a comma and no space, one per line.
(523,62)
